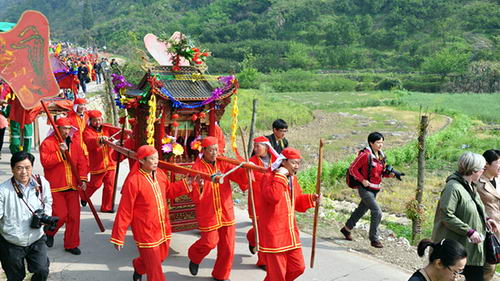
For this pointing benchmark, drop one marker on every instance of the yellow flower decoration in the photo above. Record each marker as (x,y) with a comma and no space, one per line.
(177,149)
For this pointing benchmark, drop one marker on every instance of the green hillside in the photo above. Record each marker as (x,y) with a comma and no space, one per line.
(391,35)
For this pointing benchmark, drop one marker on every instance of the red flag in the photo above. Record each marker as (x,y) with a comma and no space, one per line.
(24,59)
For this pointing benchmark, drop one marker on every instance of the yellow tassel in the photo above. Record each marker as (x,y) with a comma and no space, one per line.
(234,123)
(151,121)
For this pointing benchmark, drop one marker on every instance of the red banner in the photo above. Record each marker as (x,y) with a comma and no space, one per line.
(24,59)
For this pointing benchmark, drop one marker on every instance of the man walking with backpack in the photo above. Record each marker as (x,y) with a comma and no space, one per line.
(365,174)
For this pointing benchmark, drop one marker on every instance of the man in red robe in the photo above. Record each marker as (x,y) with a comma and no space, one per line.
(101,165)
(214,212)
(144,206)
(63,183)
(79,119)
(281,196)
(264,156)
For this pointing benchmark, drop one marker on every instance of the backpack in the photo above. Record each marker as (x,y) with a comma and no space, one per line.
(350,180)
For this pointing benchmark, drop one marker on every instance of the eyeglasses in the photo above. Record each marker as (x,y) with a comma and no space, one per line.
(456,273)
(283,130)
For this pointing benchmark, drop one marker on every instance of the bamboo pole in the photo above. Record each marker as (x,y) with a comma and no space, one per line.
(316,209)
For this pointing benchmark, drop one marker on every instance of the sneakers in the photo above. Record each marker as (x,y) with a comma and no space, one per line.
(50,241)
(251,249)
(193,268)
(377,244)
(346,233)
(74,251)
(136,276)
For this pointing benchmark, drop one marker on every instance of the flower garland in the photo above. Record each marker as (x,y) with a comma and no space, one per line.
(183,48)
(171,146)
(151,121)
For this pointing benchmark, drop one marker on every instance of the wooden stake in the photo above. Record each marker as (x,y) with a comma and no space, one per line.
(252,198)
(316,209)
(117,171)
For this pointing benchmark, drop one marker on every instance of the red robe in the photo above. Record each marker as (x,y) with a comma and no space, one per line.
(65,205)
(101,166)
(101,160)
(58,170)
(79,123)
(215,216)
(214,204)
(278,233)
(144,206)
(258,176)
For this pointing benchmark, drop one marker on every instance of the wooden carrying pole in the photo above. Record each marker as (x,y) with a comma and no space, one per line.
(316,209)
(238,162)
(73,168)
(165,165)
(117,171)
(252,198)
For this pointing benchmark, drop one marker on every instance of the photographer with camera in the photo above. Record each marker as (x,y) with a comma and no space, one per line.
(367,172)
(25,206)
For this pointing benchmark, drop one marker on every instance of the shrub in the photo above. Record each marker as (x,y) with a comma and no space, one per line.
(389,84)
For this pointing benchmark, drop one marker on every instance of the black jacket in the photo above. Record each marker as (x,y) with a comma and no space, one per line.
(275,144)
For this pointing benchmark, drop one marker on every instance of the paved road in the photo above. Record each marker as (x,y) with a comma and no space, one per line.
(100,261)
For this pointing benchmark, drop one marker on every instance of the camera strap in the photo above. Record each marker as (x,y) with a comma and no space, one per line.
(20,193)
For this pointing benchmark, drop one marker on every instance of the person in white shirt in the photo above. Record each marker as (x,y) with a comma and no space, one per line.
(25,207)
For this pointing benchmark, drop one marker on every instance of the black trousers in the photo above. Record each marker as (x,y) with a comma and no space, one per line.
(13,256)
(474,273)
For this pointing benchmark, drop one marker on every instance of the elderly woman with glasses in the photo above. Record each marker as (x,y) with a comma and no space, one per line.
(446,261)
(460,214)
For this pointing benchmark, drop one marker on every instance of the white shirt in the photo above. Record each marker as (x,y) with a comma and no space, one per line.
(15,216)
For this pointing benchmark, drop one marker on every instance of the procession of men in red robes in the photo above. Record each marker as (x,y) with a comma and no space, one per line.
(144,195)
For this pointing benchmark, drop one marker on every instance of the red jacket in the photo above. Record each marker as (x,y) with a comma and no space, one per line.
(359,168)
(143,205)
(79,123)
(58,170)
(100,160)
(258,176)
(214,203)
(278,230)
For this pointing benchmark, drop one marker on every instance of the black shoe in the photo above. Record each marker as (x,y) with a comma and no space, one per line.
(262,266)
(136,276)
(220,279)
(193,268)
(74,251)
(83,202)
(108,211)
(50,241)
(251,249)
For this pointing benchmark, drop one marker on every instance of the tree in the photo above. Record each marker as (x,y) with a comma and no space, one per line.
(87,15)
(447,61)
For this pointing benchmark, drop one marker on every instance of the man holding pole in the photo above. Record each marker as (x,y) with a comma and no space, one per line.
(214,212)
(280,197)
(79,118)
(143,205)
(101,165)
(264,156)
(64,184)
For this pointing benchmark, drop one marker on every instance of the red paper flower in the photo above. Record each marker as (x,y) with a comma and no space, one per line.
(205,54)
(175,124)
(175,116)
(176,68)
(202,115)
(195,49)
(194,117)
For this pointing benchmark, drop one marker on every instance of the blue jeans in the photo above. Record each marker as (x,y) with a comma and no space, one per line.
(368,202)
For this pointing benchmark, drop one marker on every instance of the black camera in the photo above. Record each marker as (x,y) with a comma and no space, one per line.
(40,218)
(389,169)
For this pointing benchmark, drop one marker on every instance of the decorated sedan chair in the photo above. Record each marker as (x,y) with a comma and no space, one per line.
(173,107)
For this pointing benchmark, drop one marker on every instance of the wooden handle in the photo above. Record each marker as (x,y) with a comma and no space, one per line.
(316,209)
